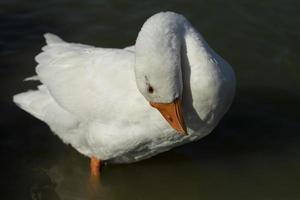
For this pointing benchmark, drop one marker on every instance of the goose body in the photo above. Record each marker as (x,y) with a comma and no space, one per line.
(94,98)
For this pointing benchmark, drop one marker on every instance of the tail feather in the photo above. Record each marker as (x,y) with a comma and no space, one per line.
(33,101)
(57,49)
(52,39)
(54,48)
(32,78)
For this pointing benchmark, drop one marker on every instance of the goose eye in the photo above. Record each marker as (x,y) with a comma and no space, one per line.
(150,89)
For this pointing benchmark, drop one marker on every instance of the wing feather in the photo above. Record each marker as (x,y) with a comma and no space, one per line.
(85,80)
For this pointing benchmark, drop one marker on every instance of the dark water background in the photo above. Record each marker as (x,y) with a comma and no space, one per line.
(254,153)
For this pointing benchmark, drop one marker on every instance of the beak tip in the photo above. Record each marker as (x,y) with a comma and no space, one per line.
(173,114)
(183,132)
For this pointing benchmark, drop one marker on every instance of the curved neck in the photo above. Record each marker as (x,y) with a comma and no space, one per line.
(165,44)
(158,56)
(173,58)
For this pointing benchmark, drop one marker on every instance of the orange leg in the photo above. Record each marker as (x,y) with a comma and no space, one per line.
(95,166)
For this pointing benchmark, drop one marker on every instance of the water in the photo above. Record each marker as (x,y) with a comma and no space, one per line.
(252,154)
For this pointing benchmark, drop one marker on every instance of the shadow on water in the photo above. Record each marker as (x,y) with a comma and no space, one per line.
(255,146)
(257,121)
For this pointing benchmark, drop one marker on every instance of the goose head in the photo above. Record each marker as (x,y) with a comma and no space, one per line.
(167,49)
(158,66)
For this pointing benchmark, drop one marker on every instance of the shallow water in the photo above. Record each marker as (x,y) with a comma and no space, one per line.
(252,154)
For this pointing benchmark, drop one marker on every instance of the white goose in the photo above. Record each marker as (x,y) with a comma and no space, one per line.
(98,99)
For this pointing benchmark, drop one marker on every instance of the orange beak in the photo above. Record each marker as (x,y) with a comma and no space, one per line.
(173,114)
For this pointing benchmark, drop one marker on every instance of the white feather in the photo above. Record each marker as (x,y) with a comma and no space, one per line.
(89,95)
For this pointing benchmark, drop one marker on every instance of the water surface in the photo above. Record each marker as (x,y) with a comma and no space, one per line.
(252,154)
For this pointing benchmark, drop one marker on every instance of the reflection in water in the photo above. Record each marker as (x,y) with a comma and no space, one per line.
(76,182)
(253,153)
(146,180)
